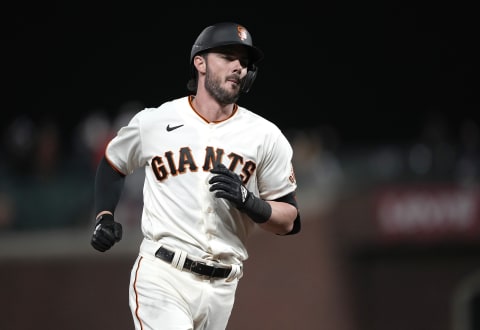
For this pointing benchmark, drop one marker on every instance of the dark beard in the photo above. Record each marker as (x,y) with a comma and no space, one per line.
(221,95)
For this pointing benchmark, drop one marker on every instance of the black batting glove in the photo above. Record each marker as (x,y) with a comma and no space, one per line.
(228,185)
(107,232)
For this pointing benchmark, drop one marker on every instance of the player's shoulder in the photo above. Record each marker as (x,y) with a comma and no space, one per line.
(256,119)
(166,106)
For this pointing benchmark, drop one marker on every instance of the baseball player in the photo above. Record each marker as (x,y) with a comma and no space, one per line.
(213,171)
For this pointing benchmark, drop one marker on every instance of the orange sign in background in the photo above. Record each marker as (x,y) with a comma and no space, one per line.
(427,213)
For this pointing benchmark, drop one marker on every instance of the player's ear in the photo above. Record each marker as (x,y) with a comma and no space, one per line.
(199,63)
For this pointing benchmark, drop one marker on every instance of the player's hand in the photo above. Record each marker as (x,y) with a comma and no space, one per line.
(107,232)
(228,185)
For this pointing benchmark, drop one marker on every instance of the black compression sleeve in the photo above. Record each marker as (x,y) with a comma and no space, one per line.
(108,187)
(291,199)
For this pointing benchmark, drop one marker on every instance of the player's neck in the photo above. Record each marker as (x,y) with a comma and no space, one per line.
(210,109)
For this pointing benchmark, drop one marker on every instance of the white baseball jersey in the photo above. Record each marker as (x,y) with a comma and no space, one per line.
(178,147)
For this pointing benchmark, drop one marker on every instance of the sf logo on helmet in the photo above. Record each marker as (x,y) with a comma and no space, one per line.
(242,32)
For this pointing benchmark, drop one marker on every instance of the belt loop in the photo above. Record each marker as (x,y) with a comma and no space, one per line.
(236,272)
(212,272)
(179,259)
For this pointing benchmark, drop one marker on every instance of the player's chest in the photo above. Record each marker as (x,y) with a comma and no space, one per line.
(201,142)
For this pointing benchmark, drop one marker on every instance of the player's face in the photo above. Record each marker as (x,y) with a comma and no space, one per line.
(226,67)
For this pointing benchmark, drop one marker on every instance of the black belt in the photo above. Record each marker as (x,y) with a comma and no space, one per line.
(198,267)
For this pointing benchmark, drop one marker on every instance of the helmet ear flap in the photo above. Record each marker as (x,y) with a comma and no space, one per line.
(249,78)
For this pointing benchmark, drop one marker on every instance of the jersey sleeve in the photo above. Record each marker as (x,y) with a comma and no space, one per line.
(275,174)
(124,151)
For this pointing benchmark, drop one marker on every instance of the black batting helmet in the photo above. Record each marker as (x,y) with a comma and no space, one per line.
(225,34)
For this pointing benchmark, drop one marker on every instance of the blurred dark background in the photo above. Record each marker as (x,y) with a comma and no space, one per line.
(381,105)
(375,72)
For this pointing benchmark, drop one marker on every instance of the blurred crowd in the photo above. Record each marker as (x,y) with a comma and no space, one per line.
(46,176)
